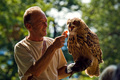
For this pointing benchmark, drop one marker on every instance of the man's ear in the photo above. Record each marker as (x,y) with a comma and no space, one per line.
(28,26)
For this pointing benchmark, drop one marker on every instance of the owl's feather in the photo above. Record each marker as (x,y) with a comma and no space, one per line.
(83,42)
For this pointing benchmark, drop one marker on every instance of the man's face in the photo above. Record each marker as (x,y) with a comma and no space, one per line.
(39,24)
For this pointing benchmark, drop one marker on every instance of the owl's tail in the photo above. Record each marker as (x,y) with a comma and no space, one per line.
(93,70)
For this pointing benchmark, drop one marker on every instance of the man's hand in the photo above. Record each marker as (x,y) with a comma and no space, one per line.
(59,41)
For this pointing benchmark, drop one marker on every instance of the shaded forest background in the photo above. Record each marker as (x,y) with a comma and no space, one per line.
(102,16)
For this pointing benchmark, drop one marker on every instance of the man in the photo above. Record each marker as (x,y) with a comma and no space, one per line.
(39,57)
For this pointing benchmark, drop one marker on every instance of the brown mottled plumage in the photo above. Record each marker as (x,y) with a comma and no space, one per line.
(83,42)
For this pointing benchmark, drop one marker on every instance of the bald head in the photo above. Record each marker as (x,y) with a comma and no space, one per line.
(30,13)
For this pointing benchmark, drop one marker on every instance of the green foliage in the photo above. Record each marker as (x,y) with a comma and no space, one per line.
(102,15)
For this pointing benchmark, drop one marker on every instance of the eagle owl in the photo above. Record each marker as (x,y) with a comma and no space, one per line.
(83,42)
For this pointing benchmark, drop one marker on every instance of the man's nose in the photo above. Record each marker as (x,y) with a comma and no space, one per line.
(46,24)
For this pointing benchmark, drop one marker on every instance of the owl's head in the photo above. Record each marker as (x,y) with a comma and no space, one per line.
(73,24)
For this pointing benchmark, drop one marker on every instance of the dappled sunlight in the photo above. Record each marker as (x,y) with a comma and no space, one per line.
(101,16)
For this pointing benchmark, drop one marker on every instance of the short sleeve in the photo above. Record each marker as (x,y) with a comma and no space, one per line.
(61,59)
(23,59)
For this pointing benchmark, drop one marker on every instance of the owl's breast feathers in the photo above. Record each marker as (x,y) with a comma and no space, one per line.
(72,46)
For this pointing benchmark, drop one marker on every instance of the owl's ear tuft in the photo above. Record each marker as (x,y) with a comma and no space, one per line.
(68,21)
(76,22)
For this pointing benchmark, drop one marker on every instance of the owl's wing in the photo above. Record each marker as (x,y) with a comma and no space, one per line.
(93,43)
(89,40)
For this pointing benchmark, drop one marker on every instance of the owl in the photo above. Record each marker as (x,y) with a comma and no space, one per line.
(82,42)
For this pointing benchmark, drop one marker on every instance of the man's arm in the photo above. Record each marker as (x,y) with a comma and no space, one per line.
(44,61)
(62,74)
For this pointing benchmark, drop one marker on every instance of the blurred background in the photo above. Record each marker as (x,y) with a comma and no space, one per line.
(101,16)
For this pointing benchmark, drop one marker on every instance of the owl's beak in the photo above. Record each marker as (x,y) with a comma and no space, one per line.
(72,27)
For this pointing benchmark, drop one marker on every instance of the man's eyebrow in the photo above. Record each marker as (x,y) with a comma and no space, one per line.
(43,19)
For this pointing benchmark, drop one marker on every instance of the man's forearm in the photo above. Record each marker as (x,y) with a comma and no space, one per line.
(43,62)
(62,74)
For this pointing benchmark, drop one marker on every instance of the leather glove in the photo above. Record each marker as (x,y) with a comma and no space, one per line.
(69,68)
(81,64)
